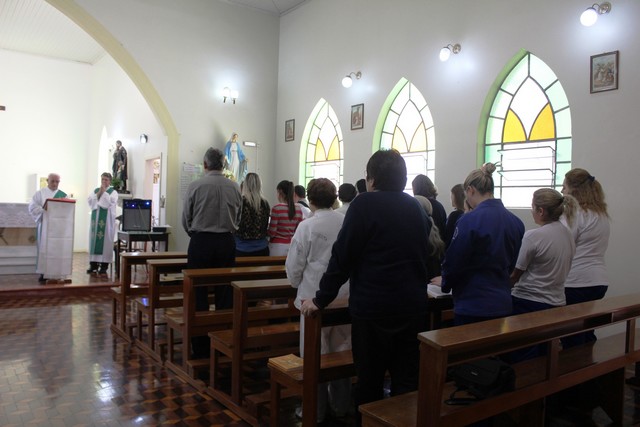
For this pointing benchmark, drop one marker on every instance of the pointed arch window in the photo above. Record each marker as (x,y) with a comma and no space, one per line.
(322,151)
(405,124)
(527,131)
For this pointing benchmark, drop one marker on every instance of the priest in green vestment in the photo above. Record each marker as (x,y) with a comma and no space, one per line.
(102,201)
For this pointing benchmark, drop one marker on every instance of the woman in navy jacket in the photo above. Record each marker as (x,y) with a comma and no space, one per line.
(482,253)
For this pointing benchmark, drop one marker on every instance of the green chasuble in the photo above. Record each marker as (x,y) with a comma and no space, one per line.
(98,226)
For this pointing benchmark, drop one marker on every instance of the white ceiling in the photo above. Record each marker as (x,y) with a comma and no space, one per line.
(36,27)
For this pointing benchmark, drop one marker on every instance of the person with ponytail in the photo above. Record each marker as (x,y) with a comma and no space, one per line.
(588,279)
(285,217)
(482,253)
(544,260)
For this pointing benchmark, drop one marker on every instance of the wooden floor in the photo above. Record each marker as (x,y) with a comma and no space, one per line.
(60,366)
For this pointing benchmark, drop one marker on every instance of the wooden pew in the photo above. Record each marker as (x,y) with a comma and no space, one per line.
(603,361)
(189,323)
(303,378)
(122,294)
(162,297)
(253,338)
(159,296)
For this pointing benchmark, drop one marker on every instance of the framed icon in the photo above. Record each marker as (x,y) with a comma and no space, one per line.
(357,116)
(604,72)
(290,130)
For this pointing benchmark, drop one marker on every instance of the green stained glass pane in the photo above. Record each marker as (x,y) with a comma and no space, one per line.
(315,131)
(563,153)
(431,139)
(491,153)
(541,72)
(323,112)
(309,170)
(401,100)
(494,131)
(417,98)
(311,152)
(390,122)
(332,116)
(561,171)
(386,141)
(557,96)
(501,104)
(426,117)
(563,123)
(517,76)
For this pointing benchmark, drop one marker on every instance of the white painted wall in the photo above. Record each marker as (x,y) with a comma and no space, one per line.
(45,128)
(323,40)
(56,111)
(118,108)
(191,50)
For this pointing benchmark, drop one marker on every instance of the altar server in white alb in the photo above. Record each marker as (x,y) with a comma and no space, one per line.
(103,202)
(36,209)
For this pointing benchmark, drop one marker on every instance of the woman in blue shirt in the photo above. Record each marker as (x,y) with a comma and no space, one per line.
(482,253)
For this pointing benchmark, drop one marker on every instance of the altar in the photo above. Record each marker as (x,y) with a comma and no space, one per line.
(18,248)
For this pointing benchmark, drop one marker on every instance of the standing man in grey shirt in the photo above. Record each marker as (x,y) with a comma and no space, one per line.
(211,215)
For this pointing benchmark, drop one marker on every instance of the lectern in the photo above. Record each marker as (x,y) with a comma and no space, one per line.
(55,259)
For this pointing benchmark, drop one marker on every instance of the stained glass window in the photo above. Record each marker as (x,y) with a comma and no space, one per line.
(405,123)
(528,130)
(322,152)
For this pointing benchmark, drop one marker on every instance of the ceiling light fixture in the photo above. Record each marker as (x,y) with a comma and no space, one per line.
(347,81)
(445,52)
(590,16)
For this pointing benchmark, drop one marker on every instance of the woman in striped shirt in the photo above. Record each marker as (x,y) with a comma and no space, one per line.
(285,217)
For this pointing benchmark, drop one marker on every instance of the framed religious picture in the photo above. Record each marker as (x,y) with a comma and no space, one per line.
(357,116)
(604,72)
(289,130)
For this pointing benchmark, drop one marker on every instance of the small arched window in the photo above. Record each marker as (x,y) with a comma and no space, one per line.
(405,124)
(321,154)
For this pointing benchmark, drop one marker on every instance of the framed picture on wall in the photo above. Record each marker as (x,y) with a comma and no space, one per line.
(357,116)
(604,72)
(289,130)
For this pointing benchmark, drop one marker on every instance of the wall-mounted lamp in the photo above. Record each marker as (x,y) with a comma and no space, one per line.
(249,143)
(590,16)
(446,51)
(144,138)
(347,81)
(229,93)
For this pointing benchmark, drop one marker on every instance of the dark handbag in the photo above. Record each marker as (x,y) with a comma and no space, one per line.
(482,378)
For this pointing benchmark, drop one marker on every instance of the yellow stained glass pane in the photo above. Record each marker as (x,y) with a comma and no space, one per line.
(334,149)
(399,141)
(419,141)
(513,129)
(321,154)
(543,127)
